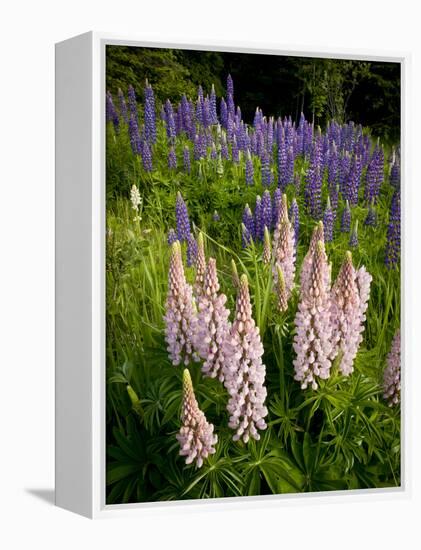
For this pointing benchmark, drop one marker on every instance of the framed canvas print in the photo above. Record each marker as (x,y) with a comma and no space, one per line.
(228,318)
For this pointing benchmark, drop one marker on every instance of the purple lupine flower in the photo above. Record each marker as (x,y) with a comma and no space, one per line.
(375,175)
(172,237)
(328,222)
(213,325)
(353,238)
(192,250)
(146,157)
(224,113)
(281,290)
(333,168)
(392,373)
(246,237)
(289,172)
(354,180)
(267,209)
(186,159)
(348,314)
(123,106)
(132,102)
(344,169)
(346,219)
(314,180)
(282,165)
(244,371)
(235,151)
(149,115)
(182,219)
(267,247)
(277,199)
(215,216)
(196,438)
(258,219)
(172,159)
(180,319)
(265,169)
(111,112)
(371,219)
(393,236)
(224,147)
(312,341)
(294,216)
(169,119)
(395,176)
(135,142)
(249,169)
(284,255)
(248,221)
(212,106)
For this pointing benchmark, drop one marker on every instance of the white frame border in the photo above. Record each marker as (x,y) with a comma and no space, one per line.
(98,507)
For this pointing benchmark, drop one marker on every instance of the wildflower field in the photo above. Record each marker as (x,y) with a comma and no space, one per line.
(252,300)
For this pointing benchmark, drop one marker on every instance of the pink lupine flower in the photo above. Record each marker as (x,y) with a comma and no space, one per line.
(392,373)
(244,371)
(285,255)
(282,215)
(200,267)
(317,235)
(213,325)
(196,437)
(267,247)
(281,290)
(312,341)
(348,308)
(180,317)
(364,279)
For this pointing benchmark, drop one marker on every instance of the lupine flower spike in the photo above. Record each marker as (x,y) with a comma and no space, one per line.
(267,247)
(180,318)
(196,437)
(212,326)
(245,372)
(353,239)
(200,263)
(347,315)
(136,201)
(281,290)
(392,373)
(312,341)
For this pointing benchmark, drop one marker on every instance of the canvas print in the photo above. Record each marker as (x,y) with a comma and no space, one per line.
(252,274)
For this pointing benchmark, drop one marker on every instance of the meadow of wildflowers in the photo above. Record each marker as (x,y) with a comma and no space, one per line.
(253,301)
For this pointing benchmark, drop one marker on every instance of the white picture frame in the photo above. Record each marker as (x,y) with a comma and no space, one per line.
(80,280)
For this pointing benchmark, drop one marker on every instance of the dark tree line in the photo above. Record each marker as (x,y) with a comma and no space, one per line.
(365,92)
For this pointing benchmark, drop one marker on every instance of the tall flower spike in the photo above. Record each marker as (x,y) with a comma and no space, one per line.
(392,373)
(284,255)
(312,341)
(213,325)
(180,318)
(346,219)
(196,437)
(353,239)
(281,290)
(182,219)
(267,247)
(347,315)
(282,215)
(244,371)
(317,235)
(198,287)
